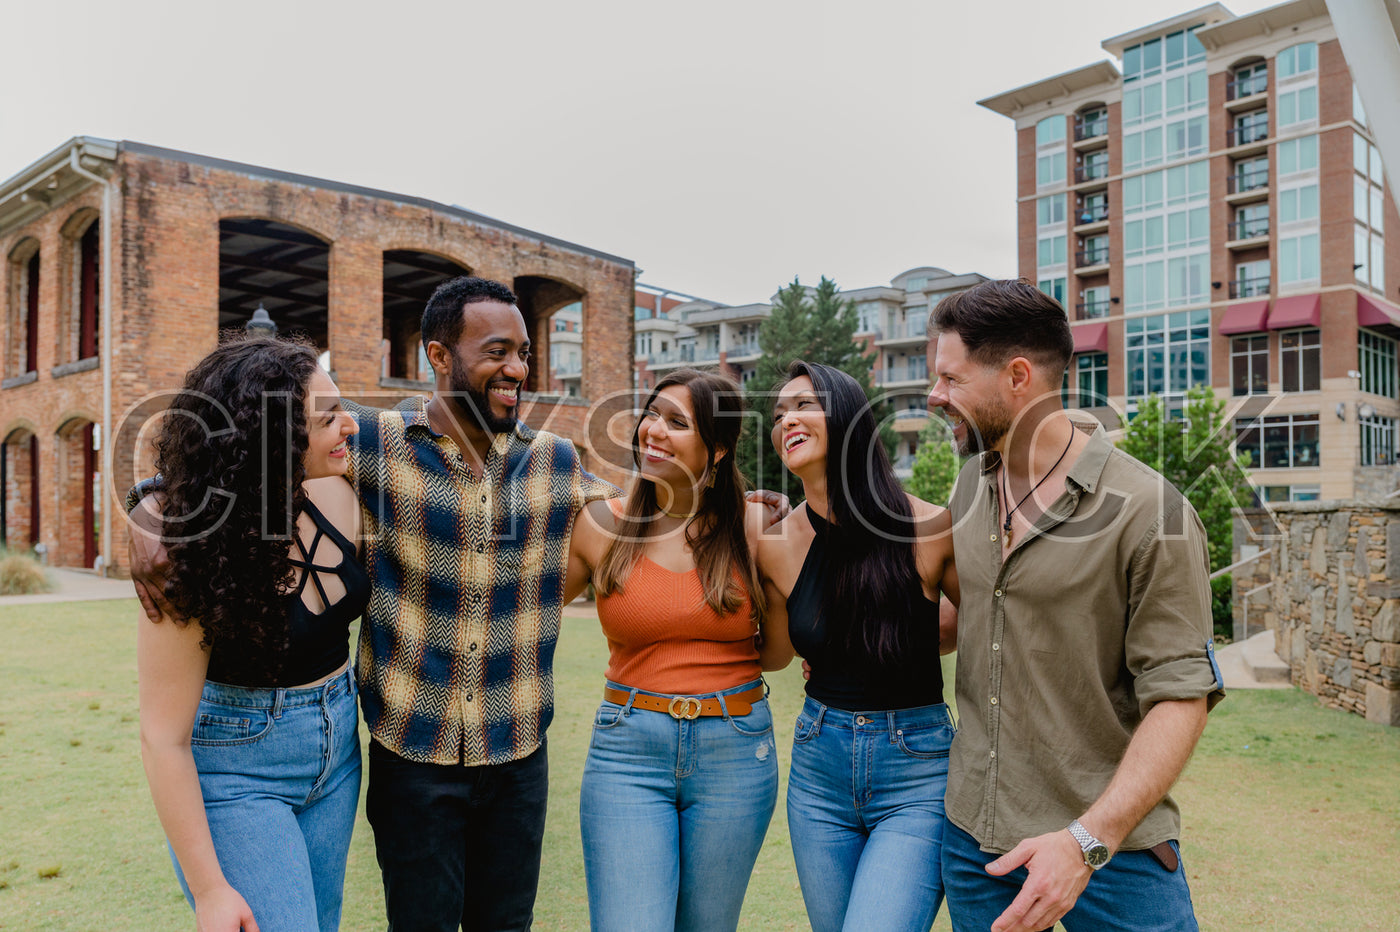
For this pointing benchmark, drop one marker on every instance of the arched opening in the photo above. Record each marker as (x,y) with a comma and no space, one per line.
(22,348)
(278,267)
(79,321)
(410,278)
(19,477)
(78,445)
(539,299)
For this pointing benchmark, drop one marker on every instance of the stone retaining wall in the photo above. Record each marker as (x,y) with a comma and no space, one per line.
(1333,600)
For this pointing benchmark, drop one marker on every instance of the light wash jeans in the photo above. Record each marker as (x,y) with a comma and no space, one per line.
(865,812)
(280,773)
(1131,893)
(673,814)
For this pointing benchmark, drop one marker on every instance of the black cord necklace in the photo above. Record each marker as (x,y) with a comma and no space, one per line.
(1006,494)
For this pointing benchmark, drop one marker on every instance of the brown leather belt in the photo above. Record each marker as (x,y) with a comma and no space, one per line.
(687,707)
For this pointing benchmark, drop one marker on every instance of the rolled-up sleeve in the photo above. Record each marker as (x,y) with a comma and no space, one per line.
(1169,647)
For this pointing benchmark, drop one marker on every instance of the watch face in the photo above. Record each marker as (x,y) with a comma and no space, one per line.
(1096,856)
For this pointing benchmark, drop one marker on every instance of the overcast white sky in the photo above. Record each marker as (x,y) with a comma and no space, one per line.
(723,146)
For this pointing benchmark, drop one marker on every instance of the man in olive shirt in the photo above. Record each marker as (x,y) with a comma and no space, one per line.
(1085,664)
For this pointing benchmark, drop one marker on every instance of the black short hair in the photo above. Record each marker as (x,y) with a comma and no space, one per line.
(442,317)
(999,320)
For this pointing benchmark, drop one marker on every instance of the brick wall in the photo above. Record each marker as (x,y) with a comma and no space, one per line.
(165,296)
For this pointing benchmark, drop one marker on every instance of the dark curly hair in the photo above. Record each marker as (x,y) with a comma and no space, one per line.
(231,451)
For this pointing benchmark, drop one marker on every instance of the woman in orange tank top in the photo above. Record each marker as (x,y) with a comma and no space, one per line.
(681,775)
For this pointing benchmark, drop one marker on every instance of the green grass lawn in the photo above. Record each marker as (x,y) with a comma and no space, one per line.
(1291,811)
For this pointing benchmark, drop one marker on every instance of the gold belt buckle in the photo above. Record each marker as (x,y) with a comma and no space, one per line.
(684,707)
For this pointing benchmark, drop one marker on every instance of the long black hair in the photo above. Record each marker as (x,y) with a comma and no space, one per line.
(873,590)
(231,451)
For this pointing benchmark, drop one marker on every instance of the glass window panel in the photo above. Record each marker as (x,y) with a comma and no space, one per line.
(1132,238)
(1309,257)
(1132,150)
(1132,194)
(1361,254)
(1176,229)
(1152,146)
(1176,184)
(1132,105)
(1307,104)
(1376,167)
(1377,262)
(1199,175)
(1176,94)
(1288,108)
(1153,284)
(1151,56)
(1360,198)
(1152,233)
(1132,62)
(1195,51)
(1276,447)
(1288,259)
(1288,157)
(1359,159)
(1307,202)
(1196,88)
(1132,287)
(1200,226)
(1151,101)
(1307,153)
(1176,49)
(1152,191)
(1288,205)
(1377,210)
(1050,130)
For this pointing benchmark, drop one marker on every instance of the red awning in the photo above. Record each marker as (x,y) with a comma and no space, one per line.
(1249,317)
(1373,312)
(1091,338)
(1299,310)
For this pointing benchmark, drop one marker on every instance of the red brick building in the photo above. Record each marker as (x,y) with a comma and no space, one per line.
(1216,213)
(122,262)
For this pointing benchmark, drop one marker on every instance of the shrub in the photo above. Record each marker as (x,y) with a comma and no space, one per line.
(21,574)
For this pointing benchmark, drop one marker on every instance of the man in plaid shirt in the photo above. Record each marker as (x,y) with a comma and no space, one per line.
(468,515)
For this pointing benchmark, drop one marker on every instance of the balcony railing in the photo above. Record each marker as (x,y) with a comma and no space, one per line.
(1090,129)
(1235,88)
(744,349)
(1249,229)
(708,354)
(1087,310)
(1245,134)
(893,374)
(671,357)
(1087,257)
(1252,180)
(1091,171)
(1251,287)
(567,370)
(1093,214)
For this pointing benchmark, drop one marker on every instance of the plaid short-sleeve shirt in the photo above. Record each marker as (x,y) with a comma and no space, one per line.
(457,645)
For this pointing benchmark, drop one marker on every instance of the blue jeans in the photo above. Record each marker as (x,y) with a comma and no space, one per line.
(1133,892)
(280,774)
(673,813)
(456,845)
(865,811)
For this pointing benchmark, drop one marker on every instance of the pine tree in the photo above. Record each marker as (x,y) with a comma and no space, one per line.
(814,325)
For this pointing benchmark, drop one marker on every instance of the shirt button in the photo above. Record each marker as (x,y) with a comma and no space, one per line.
(994,537)
(996,647)
(483,499)
(473,646)
(482,549)
(994,755)
(994,700)
(998,593)
(469,697)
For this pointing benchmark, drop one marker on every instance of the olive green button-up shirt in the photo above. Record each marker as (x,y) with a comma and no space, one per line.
(1098,613)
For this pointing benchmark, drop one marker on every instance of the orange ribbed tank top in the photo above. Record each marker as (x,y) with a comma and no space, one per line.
(663,637)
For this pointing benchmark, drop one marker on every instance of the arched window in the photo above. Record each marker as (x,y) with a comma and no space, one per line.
(22,347)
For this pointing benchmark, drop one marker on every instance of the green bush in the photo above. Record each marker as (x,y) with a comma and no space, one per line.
(21,574)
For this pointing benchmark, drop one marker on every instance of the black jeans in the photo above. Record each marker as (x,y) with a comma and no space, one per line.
(458,844)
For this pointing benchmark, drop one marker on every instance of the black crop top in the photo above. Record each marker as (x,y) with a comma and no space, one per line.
(848,683)
(318,643)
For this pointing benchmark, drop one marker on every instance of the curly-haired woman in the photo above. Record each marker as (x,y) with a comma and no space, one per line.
(248,723)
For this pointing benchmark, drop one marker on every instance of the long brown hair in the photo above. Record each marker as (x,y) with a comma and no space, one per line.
(716,535)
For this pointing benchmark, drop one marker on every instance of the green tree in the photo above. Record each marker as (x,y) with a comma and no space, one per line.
(814,325)
(1193,451)
(936,464)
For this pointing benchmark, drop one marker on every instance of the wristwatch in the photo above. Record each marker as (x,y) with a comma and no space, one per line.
(1095,852)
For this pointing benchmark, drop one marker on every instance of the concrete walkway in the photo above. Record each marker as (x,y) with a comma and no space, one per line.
(75,586)
(1252,664)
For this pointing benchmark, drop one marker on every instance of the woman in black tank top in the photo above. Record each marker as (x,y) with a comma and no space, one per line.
(248,722)
(858,569)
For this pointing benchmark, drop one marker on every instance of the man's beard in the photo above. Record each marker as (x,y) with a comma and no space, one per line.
(479,404)
(986,426)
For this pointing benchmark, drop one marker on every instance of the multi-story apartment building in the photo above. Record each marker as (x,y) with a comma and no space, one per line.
(893,319)
(1216,213)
